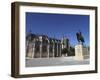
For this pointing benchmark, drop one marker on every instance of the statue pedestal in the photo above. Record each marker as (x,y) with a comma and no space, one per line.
(81,52)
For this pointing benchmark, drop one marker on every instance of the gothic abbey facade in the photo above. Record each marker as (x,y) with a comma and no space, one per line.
(42,46)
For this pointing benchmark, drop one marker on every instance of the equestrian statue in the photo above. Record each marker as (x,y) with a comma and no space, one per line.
(80,38)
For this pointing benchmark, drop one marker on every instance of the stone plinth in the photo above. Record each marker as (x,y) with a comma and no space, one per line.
(81,52)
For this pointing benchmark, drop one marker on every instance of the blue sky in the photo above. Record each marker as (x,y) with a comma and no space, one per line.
(58,25)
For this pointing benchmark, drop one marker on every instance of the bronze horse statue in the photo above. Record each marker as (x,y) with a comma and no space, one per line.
(80,38)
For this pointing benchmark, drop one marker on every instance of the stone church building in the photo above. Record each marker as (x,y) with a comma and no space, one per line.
(42,46)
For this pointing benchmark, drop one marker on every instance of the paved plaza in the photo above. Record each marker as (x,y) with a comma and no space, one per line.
(59,61)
